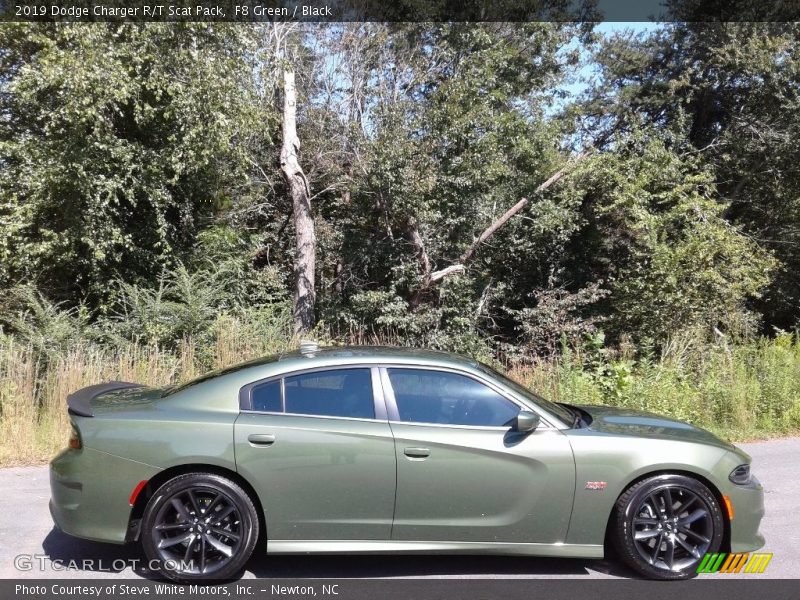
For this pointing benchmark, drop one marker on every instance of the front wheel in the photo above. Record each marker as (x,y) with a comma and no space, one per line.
(664,525)
(199,526)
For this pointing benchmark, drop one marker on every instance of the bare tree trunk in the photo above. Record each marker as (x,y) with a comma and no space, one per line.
(305,248)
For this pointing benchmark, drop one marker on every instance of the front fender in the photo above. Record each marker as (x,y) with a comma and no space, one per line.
(618,461)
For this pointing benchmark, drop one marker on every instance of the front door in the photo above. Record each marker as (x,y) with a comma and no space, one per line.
(322,460)
(463,474)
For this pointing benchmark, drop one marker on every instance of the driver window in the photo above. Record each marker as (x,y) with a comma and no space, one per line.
(440,397)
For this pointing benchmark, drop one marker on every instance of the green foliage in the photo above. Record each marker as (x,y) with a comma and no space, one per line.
(183,305)
(657,234)
(117,147)
(47,328)
(192,304)
(740,392)
(141,200)
(146,231)
(728,94)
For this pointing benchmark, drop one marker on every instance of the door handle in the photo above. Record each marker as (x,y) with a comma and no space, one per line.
(261,439)
(417,452)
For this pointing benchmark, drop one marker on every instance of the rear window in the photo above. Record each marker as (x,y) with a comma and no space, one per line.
(330,393)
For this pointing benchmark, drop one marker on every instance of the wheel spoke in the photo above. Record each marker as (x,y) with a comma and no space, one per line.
(225,533)
(224,513)
(219,546)
(213,503)
(695,535)
(189,547)
(181,508)
(173,526)
(173,541)
(656,549)
(685,506)
(669,556)
(193,501)
(202,553)
(668,504)
(688,547)
(692,517)
(644,521)
(646,534)
(653,501)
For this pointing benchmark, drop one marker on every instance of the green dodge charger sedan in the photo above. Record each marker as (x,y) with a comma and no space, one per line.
(387,450)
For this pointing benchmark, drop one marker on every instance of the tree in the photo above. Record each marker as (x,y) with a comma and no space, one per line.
(300,192)
(119,143)
(458,133)
(729,92)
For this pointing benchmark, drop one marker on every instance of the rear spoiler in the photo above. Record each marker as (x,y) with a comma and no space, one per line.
(80,402)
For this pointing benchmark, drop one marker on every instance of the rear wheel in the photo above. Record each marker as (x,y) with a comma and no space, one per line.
(664,525)
(199,526)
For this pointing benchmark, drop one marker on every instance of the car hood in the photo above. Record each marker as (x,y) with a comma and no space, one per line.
(637,423)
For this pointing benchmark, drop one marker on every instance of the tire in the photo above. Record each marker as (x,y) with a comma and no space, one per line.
(664,525)
(215,544)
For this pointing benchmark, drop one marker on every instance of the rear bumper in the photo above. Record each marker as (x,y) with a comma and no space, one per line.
(90,493)
(748,507)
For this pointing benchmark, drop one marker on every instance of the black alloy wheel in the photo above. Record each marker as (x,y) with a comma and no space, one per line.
(665,525)
(199,526)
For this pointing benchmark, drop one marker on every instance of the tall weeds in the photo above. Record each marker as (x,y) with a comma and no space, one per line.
(33,416)
(741,391)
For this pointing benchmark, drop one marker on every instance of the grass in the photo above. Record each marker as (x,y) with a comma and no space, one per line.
(744,392)
(34,424)
(740,392)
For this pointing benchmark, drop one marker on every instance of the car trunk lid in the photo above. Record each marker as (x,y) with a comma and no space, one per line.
(105,397)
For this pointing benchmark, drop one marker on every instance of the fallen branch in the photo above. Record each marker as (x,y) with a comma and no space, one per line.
(430,278)
(523,202)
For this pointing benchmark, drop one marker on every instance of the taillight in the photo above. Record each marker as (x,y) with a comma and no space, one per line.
(74,437)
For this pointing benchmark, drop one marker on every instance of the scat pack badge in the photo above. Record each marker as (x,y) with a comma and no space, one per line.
(596,485)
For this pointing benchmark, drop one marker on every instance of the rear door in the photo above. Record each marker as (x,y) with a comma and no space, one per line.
(319,450)
(462,473)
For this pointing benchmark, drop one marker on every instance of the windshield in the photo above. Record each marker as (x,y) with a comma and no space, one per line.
(555,409)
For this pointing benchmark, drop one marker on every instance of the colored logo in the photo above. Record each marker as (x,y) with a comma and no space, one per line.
(745,562)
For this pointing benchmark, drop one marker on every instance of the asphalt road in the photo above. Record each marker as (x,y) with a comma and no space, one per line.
(26,529)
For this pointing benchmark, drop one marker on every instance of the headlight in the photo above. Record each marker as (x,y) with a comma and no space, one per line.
(740,475)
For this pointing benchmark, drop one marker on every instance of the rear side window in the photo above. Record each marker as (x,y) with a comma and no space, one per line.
(267,397)
(333,393)
(449,399)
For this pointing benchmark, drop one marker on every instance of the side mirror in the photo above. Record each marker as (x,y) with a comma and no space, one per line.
(526,421)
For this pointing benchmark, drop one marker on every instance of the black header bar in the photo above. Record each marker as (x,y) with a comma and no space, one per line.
(333,11)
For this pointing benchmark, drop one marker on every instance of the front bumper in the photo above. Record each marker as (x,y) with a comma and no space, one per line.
(90,493)
(748,507)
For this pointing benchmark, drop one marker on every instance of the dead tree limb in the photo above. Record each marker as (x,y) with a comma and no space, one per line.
(429,278)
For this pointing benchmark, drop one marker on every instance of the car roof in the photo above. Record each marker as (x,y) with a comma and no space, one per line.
(310,356)
(346,354)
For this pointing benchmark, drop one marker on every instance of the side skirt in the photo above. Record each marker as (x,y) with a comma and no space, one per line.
(404,547)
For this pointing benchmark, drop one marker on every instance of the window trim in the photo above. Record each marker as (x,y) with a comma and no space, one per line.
(378,396)
(394,412)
